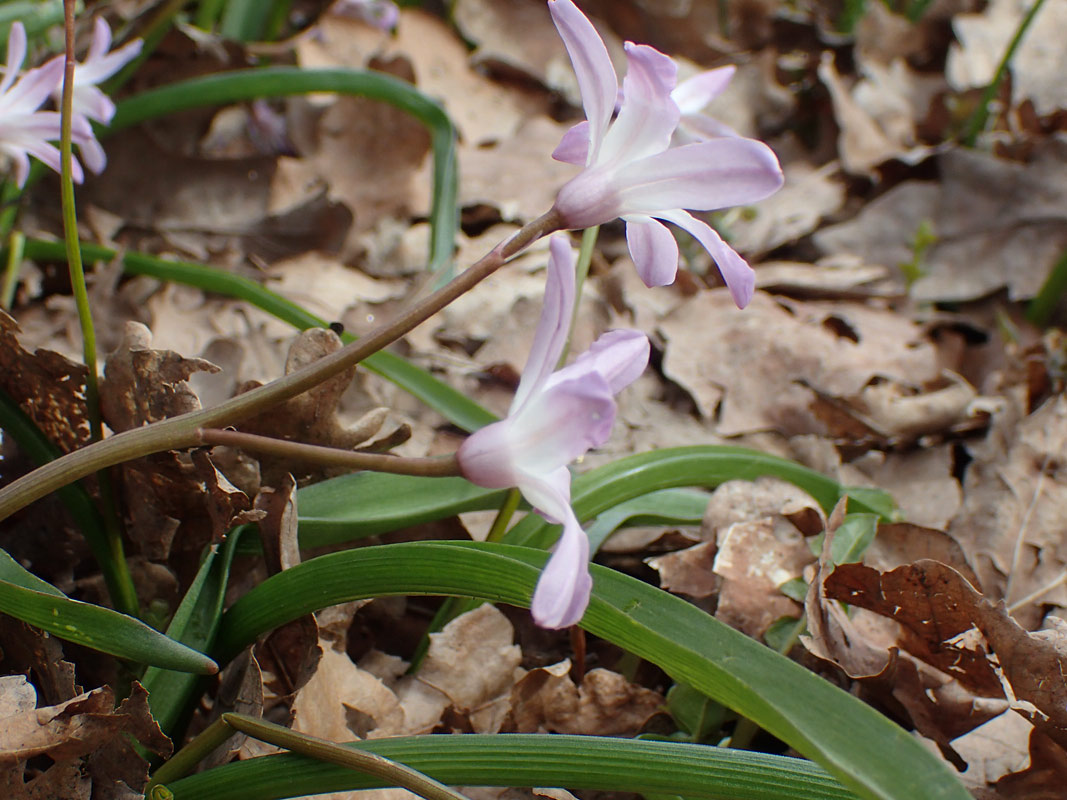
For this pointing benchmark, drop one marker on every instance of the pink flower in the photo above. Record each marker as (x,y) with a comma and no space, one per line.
(25,131)
(632,172)
(382,14)
(555,417)
(89,102)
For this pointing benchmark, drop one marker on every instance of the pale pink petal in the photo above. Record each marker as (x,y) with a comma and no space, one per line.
(694,94)
(92,155)
(592,66)
(486,458)
(562,593)
(562,422)
(34,87)
(554,325)
(573,148)
(699,127)
(702,176)
(739,277)
(96,70)
(619,356)
(16,54)
(101,41)
(648,115)
(653,250)
(549,494)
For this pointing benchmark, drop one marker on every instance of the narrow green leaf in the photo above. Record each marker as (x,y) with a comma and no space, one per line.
(578,762)
(599,490)
(856,744)
(194,624)
(853,537)
(26,597)
(367,503)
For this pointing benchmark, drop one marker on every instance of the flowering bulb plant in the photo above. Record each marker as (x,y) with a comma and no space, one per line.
(556,417)
(632,171)
(646,155)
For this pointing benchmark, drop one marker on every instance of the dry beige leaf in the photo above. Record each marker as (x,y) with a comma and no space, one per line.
(828,278)
(996,223)
(17,695)
(762,366)
(688,571)
(1013,509)
(342,702)
(606,704)
(744,501)
(473,660)
(88,744)
(921,482)
(754,559)
(877,116)
(1037,67)
(809,195)
(326,287)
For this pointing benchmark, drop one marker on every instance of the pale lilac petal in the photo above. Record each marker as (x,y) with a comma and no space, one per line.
(702,176)
(486,459)
(694,94)
(619,356)
(739,277)
(700,127)
(588,199)
(92,103)
(562,422)
(34,87)
(562,592)
(554,325)
(101,41)
(648,115)
(573,148)
(49,156)
(93,71)
(92,155)
(549,494)
(16,54)
(592,66)
(653,249)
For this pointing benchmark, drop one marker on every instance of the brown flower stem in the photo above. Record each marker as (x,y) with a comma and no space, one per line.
(330,456)
(181,432)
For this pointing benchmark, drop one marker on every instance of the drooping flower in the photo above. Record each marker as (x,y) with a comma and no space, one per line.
(632,172)
(555,417)
(89,101)
(24,130)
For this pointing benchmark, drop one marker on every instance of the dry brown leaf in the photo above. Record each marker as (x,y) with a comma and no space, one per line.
(688,571)
(756,366)
(877,115)
(606,704)
(754,559)
(1037,67)
(473,660)
(1014,500)
(88,744)
(997,223)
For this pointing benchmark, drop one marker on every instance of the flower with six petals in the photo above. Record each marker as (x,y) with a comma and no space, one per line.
(555,417)
(632,172)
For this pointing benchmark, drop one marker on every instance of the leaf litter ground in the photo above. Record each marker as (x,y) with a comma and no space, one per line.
(886,346)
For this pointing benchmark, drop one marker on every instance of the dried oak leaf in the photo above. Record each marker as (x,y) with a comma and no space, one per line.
(1014,499)
(996,223)
(943,613)
(606,704)
(1037,67)
(312,417)
(142,385)
(48,387)
(89,743)
(761,368)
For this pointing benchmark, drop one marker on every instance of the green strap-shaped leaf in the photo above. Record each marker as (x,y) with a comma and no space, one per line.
(609,486)
(26,597)
(195,624)
(578,762)
(856,744)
